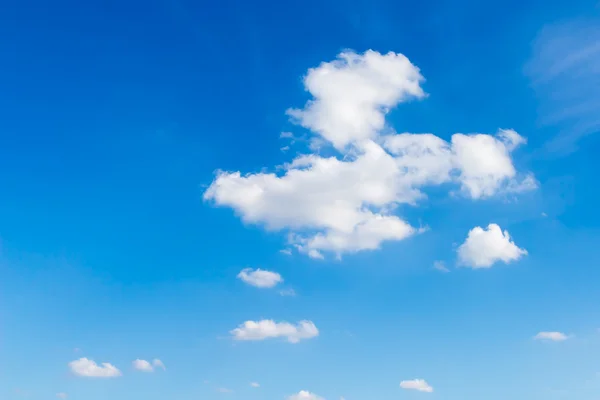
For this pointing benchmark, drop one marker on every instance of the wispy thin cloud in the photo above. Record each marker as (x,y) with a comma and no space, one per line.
(440,266)
(551,336)
(564,70)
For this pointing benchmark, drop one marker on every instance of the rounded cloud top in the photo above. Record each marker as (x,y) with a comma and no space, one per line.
(343,204)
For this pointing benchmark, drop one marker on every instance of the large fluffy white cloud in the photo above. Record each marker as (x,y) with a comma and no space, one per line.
(260,278)
(88,368)
(416,384)
(345,203)
(269,329)
(352,95)
(304,395)
(484,247)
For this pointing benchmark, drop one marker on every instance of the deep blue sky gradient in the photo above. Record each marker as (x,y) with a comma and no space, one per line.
(114,116)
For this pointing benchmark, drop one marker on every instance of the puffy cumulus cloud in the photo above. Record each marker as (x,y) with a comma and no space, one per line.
(416,384)
(484,247)
(551,336)
(345,203)
(260,278)
(269,329)
(352,95)
(479,163)
(142,365)
(88,368)
(146,366)
(305,395)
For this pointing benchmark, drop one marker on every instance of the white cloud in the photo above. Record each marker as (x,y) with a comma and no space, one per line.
(551,336)
(88,368)
(352,95)
(158,364)
(62,395)
(416,384)
(484,247)
(260,277)
(142,365)
(254,384)
(146,366)
(287,292)
(304,395)
(564,74)
(341,204)
(224,390)
(440,266)
(269,329)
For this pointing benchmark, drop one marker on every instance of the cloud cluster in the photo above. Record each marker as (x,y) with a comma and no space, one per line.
(345,203)
(88,368)
(416,384)
(484,247)
(269,329)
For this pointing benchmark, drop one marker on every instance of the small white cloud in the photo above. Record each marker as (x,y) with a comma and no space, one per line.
(146,366)
(287,292)
(304,395)
(416,384)
(224,390)
(158,364)
(62,395)
(254,384)
(260,278)
(287,252)
(551,336)
(315,254)
(142,365)
(286,135)
(440,266)
(269,329)
(484,247)
(88,368)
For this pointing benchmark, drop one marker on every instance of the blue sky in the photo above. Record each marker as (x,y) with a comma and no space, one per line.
(126,234)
